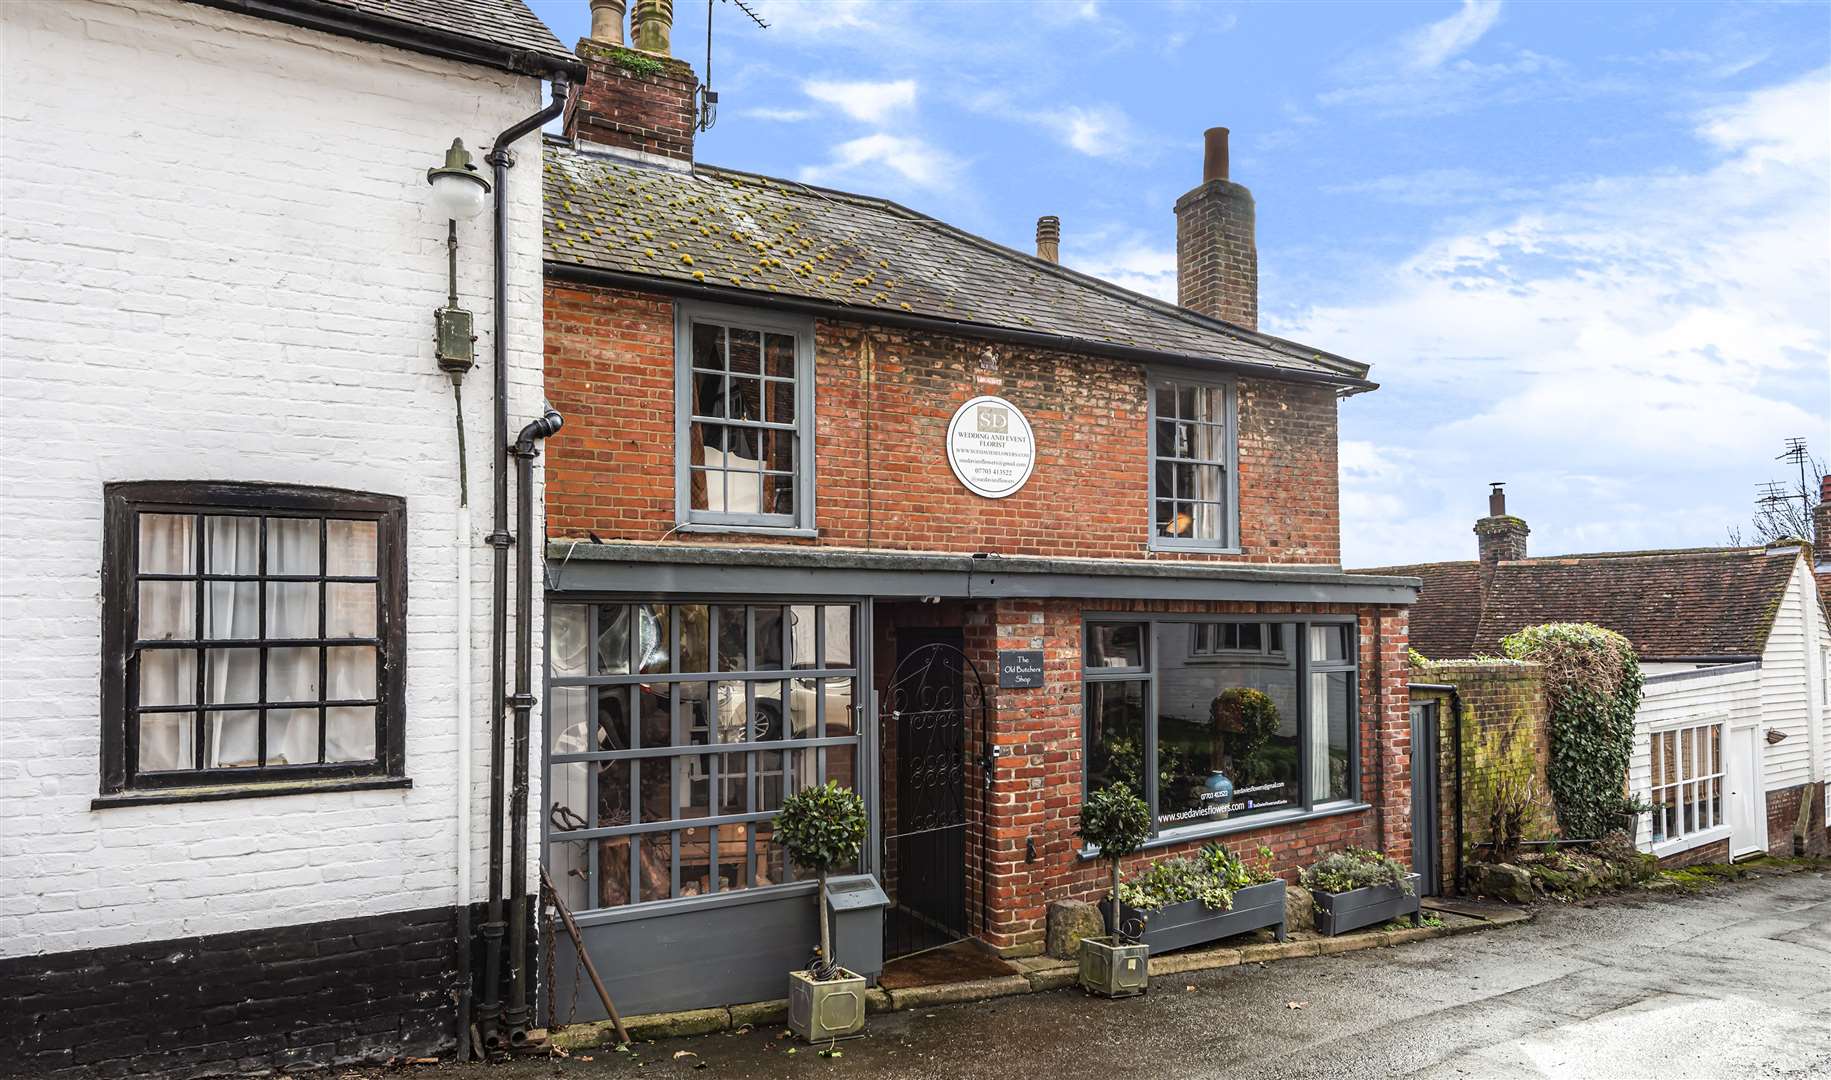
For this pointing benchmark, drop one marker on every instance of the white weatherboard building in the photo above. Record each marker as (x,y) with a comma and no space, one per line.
(246,637)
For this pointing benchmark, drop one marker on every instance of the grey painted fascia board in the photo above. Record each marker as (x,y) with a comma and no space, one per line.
(578,566)
(1703,672)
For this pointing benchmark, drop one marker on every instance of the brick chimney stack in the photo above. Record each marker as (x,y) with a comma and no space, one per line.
(634,102)
(1821,536)
(1049,238)
(1501,536)
(1217,255)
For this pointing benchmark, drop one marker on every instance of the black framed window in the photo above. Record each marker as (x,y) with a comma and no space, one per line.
(252,633)
(744,419)
(1193,453)
(1212,721)
(675,730)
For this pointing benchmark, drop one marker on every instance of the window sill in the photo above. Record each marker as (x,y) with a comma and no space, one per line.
(749,530)
(1193,549)
(216,792)
(1238,825)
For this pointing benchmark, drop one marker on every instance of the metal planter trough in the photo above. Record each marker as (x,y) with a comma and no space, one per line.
(823,1009)
(1113,967)
(1338,913)
(1192,922)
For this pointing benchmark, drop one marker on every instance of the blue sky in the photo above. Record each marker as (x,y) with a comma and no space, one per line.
(1586,247)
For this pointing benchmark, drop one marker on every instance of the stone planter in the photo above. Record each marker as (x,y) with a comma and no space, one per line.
(1192,922)
(1112,967)
(820,1010)
(1338,913)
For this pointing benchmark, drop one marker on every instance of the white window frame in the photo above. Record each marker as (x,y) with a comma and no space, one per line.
(687,519)
(1698,824)
(1228,543)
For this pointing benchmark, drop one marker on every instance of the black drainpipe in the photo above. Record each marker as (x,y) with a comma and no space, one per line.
(525,450)
(1456,743)
(489,1008)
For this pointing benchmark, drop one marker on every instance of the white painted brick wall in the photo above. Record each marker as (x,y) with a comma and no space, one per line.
(218,264)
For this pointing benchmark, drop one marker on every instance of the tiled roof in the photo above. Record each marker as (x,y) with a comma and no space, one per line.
(757,235)
(1448,609)
(1670,604)
(507,25)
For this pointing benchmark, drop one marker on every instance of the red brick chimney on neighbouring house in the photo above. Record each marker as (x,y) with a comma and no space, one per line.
(1217,256)
(1501,536)
(637,102)
(1821,537)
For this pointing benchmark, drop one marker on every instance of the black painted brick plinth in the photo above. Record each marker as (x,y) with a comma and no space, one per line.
(315,995)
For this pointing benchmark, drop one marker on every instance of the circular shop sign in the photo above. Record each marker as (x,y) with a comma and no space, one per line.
(990,447)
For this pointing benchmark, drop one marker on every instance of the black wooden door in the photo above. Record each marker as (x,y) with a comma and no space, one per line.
(926,709)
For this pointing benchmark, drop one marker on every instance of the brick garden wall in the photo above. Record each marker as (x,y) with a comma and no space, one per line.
(1783,816)
(1039,774)
(1506,737)
(884,398)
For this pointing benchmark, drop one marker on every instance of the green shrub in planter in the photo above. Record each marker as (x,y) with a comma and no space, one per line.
(1356,887)
(822,828)
(1118,822)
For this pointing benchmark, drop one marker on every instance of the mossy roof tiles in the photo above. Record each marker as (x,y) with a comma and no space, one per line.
(763,236)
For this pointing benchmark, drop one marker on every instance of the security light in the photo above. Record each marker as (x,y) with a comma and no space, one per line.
(457,191)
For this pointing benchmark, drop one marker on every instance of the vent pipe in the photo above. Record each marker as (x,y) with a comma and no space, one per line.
(1049,238)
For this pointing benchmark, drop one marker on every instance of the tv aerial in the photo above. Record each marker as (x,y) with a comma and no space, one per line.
(706,98)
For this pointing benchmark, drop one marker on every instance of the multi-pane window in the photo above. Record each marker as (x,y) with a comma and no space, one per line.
(255,633)
(674,732)
(1192,451)
(746,395)
(1687,789)
(1210,721)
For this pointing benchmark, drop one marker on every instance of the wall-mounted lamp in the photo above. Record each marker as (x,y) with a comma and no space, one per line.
(458,193)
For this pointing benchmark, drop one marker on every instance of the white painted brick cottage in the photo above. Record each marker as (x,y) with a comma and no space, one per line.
(235,685)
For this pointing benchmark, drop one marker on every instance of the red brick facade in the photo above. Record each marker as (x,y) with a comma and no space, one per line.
(883,401)
(1784,835)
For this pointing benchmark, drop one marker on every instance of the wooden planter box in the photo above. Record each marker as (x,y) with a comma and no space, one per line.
(1194,923)
(1338,913)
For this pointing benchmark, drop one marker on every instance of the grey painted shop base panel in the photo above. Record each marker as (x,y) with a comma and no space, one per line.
(691,955)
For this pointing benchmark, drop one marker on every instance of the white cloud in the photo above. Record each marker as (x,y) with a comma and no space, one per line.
(783,116)
(1431,45)
(1666,329)
(917,163)
(1100,131)
(1126,261)
(871,102)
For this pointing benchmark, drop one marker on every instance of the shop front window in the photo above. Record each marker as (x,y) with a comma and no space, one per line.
(1215,720)
(674,733)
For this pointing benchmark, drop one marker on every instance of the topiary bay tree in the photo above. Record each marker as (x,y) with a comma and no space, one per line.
(1118,823)
(1593,681)
(822,828)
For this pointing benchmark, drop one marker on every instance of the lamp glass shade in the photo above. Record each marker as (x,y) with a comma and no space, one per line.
(458,197)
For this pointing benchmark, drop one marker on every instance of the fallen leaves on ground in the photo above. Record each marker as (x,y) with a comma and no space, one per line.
(1296,1004)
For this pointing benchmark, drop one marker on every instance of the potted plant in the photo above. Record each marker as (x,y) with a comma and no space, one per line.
(1118,822)
(1191,900)
(1356,887)
(821,828)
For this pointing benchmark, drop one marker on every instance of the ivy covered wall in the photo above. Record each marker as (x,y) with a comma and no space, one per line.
(1506,749)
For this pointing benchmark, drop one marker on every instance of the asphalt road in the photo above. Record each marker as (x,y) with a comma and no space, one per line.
(1733,983)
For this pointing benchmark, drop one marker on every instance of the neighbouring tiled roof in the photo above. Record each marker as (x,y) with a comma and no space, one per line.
(506,24)
(759,235)
(1448,609)
(1686,603)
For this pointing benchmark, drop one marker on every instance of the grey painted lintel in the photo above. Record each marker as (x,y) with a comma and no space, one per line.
(734,570)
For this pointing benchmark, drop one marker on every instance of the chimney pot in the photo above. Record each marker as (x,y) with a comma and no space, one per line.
(1049,238)
(654,25)
(1497,500)
(607,20)
(1214,154)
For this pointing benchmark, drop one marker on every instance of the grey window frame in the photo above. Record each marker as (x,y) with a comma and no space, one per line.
(687,519)
(1306,665)
(863,740)
(1229,541)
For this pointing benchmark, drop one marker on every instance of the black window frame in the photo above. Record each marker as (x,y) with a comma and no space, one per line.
(1307,665)
(121,783)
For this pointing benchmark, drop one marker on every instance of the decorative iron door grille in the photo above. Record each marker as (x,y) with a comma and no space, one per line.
(934,694)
